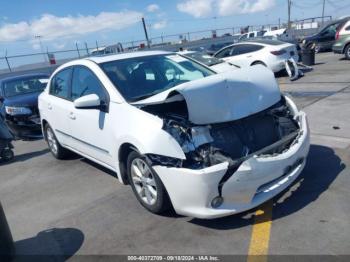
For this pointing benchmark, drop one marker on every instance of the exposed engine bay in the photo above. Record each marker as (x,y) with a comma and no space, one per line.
(268,132)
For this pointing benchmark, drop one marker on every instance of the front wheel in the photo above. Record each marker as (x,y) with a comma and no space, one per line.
(146,184)
(7,155)
(56,149)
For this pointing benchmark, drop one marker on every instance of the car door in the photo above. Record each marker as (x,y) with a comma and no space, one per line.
(90,130)
(58,105)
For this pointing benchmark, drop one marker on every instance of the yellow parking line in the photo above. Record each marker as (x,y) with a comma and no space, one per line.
(259,242)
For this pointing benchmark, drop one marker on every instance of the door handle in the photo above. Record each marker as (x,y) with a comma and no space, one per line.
(72,116)
(49,106)
(249,56)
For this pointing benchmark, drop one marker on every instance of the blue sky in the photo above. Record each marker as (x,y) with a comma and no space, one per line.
(62,23)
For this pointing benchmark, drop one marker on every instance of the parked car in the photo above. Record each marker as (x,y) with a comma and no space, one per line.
(270,53)
(207,144)
(19,103)
(252,34)
(342,43)
(325,38)
(218,65)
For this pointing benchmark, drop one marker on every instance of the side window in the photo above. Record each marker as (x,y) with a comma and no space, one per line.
(224,53)
(85,83)
(60,84)
(251,35)
(244,49)
(348,28)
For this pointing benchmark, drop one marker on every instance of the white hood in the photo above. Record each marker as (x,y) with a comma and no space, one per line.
(224,97)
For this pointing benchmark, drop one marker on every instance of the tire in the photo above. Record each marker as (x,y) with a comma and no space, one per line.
(347,52)
(258,63)
(7,155)
(146,185)
(55,147)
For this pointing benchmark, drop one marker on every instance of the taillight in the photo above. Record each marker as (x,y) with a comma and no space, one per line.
(337,35)
(279,52)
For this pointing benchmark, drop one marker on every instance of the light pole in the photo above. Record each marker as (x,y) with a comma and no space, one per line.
(41,46)
(324,4)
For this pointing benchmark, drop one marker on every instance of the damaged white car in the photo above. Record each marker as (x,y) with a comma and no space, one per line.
(207,144)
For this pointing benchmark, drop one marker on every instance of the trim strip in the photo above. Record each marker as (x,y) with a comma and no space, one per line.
(88,144)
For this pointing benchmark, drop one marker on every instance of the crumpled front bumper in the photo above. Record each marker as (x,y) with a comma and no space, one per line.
(257,180)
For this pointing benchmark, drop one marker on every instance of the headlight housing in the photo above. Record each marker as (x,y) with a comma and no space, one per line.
(17,110)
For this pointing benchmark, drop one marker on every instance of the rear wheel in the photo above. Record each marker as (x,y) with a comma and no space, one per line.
(146,184)
(347,52)
(56,149)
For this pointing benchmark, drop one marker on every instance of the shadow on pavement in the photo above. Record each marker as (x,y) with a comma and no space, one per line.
(57,244)
(25,156)
(322,168)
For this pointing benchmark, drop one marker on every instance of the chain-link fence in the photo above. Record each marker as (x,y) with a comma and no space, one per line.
(49,60)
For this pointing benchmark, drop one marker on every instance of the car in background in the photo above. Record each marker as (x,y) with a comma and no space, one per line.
(342,43)
(325,38)
(270,53)
(218,65)
(19,103)
(252,34)
(212,49)
(207,144)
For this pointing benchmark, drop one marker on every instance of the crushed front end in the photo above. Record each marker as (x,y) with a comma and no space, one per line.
(233,166)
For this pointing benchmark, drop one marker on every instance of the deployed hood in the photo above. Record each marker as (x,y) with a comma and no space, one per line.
(223,97)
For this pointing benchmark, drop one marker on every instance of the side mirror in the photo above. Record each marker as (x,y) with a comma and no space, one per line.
(88,102)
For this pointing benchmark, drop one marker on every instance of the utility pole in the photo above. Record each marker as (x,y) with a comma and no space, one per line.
(145,29)
(41,46)
(289,7)
(324,4)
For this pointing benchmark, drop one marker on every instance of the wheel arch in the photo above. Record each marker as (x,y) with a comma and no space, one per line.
(124,150)
(43,125)
(258,62)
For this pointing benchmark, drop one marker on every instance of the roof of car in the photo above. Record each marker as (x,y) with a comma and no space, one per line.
(126,55)
(16,77)
(260,41)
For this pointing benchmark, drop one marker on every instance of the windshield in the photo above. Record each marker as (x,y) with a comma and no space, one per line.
(204,58)
(24,86)
(141,77)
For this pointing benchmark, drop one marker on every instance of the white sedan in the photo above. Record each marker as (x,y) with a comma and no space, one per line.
(184,137)
(270,53)
(218,65)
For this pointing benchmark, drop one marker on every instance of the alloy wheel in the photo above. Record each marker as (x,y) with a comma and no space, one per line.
(51,140)
(144,181)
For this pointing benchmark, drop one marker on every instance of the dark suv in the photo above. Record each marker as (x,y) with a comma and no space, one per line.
(19,103)
(325,38)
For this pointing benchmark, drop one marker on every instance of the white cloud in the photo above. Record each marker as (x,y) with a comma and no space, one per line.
(152,8)
(205,8)
(196,8)
(160,25)
(52,27)
(36,46)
